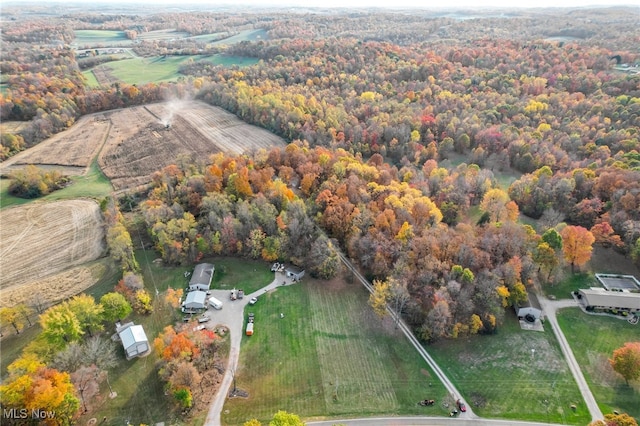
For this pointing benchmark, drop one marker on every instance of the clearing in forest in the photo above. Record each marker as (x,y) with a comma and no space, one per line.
(145,139)
(41,242)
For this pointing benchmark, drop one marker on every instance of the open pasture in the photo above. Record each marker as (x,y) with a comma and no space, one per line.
(330,356)
(92,38)
(514,374)
(140,142)
(70,151)
(40,241)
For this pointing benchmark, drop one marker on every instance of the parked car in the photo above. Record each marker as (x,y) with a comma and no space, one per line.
(253,300)
(461,406)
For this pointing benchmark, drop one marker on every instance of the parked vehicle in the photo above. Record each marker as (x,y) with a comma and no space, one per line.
(215,303)
(203,318)
(253,300)
(461,406)
(249,330)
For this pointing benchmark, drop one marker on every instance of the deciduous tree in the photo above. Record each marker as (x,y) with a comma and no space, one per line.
(577,245)
(115,306)
(60,326)
(626,361)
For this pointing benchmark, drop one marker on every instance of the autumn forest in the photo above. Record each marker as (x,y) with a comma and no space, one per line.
(460,162)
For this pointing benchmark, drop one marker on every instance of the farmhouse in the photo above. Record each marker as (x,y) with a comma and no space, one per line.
(195,300)
(133,338)
(600,298)
(201,277)
(294,272)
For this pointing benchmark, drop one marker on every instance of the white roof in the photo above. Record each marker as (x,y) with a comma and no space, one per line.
(611,299)
(196,297)
(132,335)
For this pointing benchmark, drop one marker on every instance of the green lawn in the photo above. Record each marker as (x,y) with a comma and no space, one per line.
(92,185)
(572,282)
(593,339)
(90,78)
(247,35)
(328,357)
(501,377)
(94,37)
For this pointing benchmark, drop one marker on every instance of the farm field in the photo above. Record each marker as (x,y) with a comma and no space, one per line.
(42,248)
(93,38)
(140,144)
(329,356)
(593,339)
(501,377)
(71,151)
(155,69)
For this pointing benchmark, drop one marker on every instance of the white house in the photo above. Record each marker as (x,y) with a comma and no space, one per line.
(201,277)
(195,300)
(134,340)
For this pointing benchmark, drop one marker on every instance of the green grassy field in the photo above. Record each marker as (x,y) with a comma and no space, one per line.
(92,185)
(159,68)
(247,35)
(593,339)
(328,357)
(501,377)
(94,37)
(90,79)
(571,282)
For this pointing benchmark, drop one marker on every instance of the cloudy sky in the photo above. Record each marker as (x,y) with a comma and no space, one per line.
(374,3)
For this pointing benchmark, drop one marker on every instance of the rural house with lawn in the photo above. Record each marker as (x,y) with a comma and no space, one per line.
(201,277)
(134,340)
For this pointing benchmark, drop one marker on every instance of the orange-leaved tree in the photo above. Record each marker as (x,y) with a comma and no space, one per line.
(577,245)
(626,361)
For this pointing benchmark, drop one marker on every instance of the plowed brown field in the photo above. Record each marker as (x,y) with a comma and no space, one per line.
(70,151)
(41,242)
(140,142)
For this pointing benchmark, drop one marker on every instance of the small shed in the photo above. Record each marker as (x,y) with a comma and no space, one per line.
(201,277)
(195,300)
(134,340)
(294,272)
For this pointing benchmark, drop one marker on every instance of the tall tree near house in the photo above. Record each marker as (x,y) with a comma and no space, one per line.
(116,307)
(88,312)
(577,245)
(626,361)
(60,326)
(10,315)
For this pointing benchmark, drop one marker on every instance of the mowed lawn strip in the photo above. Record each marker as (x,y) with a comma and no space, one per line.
(328,357)
(593,338)
(501,377)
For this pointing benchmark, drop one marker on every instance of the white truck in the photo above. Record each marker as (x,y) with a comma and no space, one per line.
(215,303)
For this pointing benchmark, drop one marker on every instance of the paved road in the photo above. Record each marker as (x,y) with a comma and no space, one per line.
(549,307)
(232,316)
(423,421)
